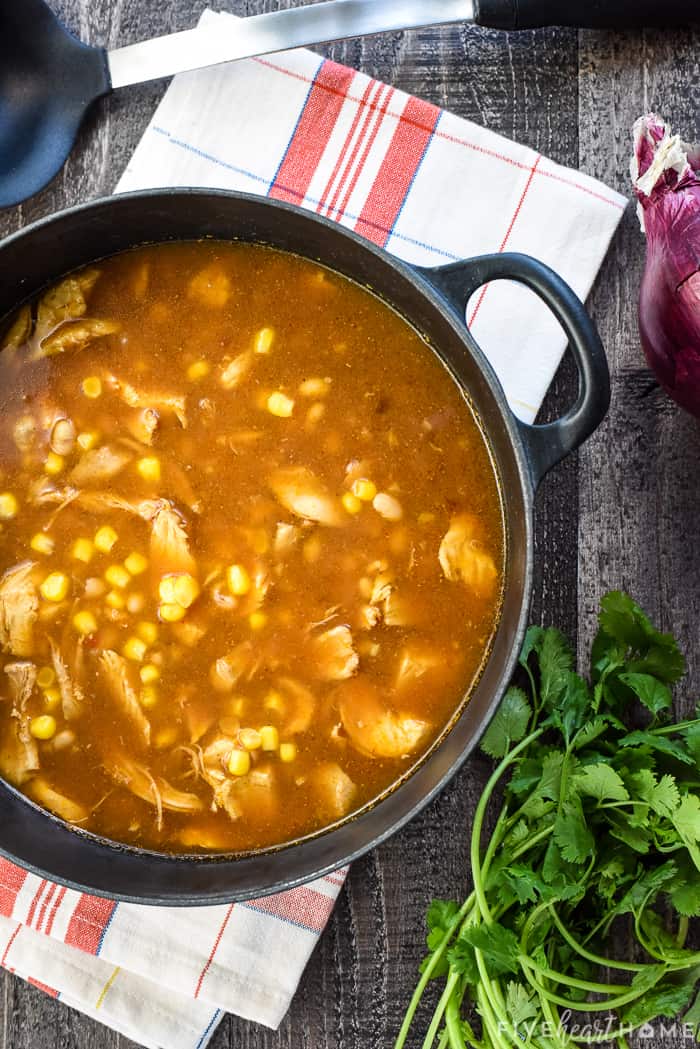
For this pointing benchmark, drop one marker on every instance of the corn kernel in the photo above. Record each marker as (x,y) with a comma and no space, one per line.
(43,727)
(46,677)
(387,506)
(274,701)
(136,563)
(105,538)
(114,599)
(238,580)
(250,738)
(53,464)
(42,543)
(135,603)
(149,468)
(171,613)
(148,632)
(364,489)
(351,503)
(269,737)
(314,387)
(263,340)
(198,370)
(315,413)
(135,649)
(52,700)
(257,620)
(239,763)
(166,589)
(288,752)
(85,622)
(186,589)
(92,387)
(8,506)
(117,575)
(148,696)
(83,550)
(55,587)
(87,440)
(165,737)
(149,673)
(280,405)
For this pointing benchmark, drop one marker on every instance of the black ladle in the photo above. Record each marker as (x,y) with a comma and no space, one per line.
(48,78)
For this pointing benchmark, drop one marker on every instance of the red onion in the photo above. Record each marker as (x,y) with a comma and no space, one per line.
(666,177)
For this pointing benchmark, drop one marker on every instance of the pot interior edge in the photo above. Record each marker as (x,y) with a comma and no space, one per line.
(81,236)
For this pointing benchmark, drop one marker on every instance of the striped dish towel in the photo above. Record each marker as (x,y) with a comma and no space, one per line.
(430,188)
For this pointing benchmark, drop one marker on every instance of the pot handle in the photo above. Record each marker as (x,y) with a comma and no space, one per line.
(549,443)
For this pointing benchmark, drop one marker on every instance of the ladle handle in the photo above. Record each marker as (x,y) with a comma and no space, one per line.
(548,443)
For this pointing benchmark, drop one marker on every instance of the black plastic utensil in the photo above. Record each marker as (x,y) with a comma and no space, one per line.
(48,78)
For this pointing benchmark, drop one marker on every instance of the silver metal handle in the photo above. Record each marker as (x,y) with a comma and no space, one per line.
(231,39)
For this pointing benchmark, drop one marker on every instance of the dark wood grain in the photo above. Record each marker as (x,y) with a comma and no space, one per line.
(624,513)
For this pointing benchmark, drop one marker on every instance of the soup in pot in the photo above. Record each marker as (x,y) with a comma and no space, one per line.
(251,548)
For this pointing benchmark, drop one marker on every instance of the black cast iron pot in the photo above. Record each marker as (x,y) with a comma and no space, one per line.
(434,301)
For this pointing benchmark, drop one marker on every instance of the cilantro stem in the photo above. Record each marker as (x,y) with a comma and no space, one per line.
(454,1024)
(442,1044)
(682,934)
(431,1034)
(479,815)
(573,981)
(607,963)
(671,730)
(584,1007)
(428,971)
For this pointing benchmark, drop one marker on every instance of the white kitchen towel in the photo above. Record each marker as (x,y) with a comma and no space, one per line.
(430,188)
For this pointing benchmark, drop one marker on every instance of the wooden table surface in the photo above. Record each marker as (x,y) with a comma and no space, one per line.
(623,513)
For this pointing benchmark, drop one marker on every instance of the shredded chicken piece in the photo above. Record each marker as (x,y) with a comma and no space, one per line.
(367,618)
(286,538)
(72,697)
(303,494)
(252,797)
(401,610)
(211,287)
(334,788)
(19,604)
(418,659)
(142,424)
(302,705)
(170,550)
(374,729)
(154,790)
(234,372)
(115,672)
(199,715)
(333,655)
(18,332)
(100,502)
(382,588)
(463,557)
(64,301)
(19,754)
(65,808)
(73,335)
(161,402)
(231,668)
(99,465)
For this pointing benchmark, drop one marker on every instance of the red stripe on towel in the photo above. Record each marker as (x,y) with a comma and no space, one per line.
(88,923)
(312,132)
(12,878)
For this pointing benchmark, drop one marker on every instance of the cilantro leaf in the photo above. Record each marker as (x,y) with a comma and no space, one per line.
(601,782)
(667,999)
(654,694)
(662,796)
(572,834)
(498,945)
(556,662)
(461,959)
(635,837)
(646,888)
(684,891)
(509,724)
(533,638)
(441,917)
(660,743)
(519,1005)
(624,621)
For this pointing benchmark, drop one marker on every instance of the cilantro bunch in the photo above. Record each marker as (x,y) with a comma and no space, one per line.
(599,826)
